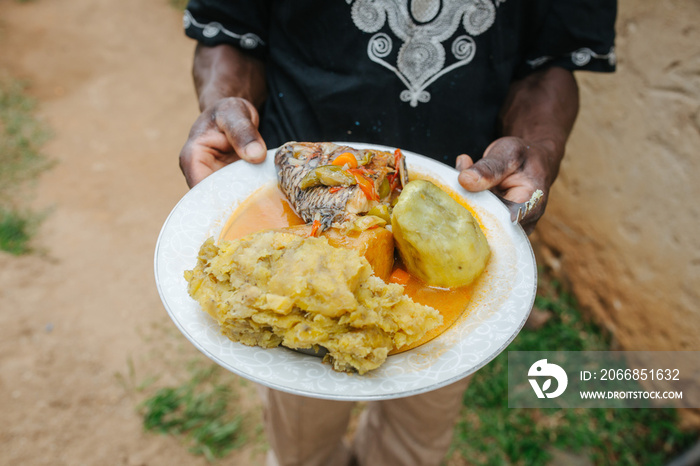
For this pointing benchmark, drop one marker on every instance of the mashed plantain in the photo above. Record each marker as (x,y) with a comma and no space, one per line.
(275,288)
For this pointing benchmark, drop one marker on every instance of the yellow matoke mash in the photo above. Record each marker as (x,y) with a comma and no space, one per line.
(273,288)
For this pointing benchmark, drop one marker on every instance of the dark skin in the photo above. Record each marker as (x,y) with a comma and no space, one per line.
(231,87)
(536,120)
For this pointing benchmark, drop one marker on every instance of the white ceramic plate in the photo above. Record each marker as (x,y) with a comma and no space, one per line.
(498,310)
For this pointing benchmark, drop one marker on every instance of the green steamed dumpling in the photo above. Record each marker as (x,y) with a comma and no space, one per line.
(438,239)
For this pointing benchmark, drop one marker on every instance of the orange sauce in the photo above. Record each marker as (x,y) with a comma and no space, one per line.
(450,302)
(268,208)
(265,209)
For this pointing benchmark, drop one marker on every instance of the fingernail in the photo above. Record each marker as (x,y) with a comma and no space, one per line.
(470,176)
(461,162)
(254,151)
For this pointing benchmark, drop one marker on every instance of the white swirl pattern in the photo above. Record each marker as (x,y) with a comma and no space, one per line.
(422,26)
(463,48)
(380,45)
(496,313)
(247,41)
(580,57)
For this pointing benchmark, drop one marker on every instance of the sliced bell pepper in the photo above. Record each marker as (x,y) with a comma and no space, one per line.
(397,157)
(327,175)
(366,185)
(395,176)
(314,228)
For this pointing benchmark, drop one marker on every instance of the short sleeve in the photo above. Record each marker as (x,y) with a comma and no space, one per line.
(243,24)
(576,35)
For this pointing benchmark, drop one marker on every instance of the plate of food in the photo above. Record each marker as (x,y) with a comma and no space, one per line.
(344,271)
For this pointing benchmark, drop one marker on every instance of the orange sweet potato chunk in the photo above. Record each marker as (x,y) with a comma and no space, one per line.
(375,244)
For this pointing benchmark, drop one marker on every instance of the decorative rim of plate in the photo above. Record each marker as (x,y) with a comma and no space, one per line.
(494,317)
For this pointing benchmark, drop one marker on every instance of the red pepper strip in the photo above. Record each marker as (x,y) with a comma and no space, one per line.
(397,159)
(394,183)
(392,177)
(363,170)
(335,189)
(366,185)
(314,228)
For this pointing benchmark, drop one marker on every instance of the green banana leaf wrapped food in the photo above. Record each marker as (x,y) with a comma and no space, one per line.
(438,239)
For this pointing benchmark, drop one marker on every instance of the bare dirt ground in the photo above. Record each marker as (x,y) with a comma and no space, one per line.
(113,83)
(81,323)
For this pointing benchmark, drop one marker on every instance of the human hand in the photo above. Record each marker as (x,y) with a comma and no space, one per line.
(513,169)
(224,132)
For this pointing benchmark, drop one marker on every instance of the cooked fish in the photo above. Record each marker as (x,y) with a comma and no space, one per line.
(327,183)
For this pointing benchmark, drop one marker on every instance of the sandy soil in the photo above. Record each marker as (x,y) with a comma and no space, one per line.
(113,81)
(81,324)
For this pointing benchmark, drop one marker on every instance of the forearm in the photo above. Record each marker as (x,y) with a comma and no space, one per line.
(231,88)
(541,108)
(224,71)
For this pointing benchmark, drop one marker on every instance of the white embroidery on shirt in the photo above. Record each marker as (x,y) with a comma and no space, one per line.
(422,26)
(209,30)
(580,57)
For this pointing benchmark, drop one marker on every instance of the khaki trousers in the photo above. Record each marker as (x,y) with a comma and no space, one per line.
(416,430)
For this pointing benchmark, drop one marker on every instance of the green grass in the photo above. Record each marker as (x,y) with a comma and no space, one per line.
(21,162)
(199,411)
(178,392)
(16,230)
(490,433)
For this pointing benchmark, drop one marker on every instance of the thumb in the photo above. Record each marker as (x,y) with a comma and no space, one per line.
(239,122)
(501,159)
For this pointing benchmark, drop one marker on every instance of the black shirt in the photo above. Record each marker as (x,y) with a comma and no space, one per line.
(428,76)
